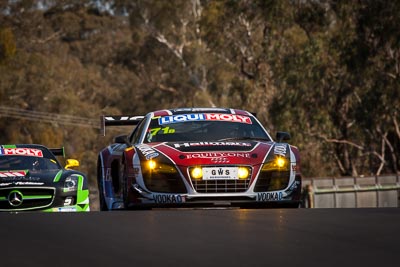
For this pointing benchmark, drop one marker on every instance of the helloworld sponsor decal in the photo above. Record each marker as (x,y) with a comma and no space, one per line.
(204,117)
(21,152)
(203,144)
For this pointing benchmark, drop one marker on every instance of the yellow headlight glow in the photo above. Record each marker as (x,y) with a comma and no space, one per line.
(243,172)
(152,164)
(196,173)
(280,162)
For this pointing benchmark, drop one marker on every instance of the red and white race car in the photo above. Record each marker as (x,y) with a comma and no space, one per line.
(197,157)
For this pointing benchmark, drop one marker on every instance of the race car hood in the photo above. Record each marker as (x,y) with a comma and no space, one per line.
(29,177)
(192,153)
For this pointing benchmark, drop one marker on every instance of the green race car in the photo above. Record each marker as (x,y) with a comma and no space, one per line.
(31,178)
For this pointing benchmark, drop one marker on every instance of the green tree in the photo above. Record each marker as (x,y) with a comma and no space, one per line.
(327,72)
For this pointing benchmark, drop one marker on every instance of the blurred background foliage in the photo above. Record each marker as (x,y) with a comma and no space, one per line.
(328,72)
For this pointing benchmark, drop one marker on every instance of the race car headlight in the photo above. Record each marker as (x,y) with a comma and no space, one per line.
(274,175)
(279,163)
(196,173)
(162,175)
(71,183)
(243,172)
(157,167)
(151,164)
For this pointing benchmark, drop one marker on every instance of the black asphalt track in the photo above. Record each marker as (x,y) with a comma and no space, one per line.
(274,237)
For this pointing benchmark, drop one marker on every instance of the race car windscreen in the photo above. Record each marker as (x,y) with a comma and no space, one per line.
(8,163)
(204,126)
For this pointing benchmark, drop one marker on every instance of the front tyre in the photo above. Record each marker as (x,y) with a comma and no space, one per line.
(102,201)
(125,184)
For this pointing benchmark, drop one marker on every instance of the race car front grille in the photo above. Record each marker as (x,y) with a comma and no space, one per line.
(220,186)
(26,198)
(272,181)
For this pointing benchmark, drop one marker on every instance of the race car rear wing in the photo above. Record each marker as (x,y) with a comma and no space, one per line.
(109,120)
(58,151)
(70,163)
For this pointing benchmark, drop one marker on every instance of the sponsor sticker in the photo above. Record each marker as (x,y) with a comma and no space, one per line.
(147,151)
(211,144)
(21,152)
(66,209)
(280,150)
(28,183)
(12,174)
(294,167)
(204,117)
(123,118)
(269,196)
(168,198)
(218,173)
(215,155)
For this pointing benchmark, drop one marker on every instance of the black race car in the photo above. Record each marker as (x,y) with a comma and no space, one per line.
(31,178)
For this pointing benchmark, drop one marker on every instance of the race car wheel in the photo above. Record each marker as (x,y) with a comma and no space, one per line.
(102,202)
(127,192)
(124,184)
(125,196)
(103,205)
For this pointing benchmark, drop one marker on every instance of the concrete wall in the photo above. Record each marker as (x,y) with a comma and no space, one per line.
(351,192)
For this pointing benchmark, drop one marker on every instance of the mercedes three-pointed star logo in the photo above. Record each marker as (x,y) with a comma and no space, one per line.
(15,198)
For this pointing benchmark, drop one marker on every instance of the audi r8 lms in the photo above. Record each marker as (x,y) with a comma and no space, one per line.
(32,179)
(197,157)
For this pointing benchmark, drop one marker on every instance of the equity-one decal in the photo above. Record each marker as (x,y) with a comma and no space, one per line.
(204,117)
(217,155)
(21,151)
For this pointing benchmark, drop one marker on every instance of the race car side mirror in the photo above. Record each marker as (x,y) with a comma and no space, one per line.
(282,136)
(121,139)
(71,163)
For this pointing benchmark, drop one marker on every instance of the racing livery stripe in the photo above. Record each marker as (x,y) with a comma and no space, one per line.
(80,182)
(58,176)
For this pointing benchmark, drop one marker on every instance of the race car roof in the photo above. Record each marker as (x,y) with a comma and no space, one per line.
(30,150)
(111,120)
(178,111)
